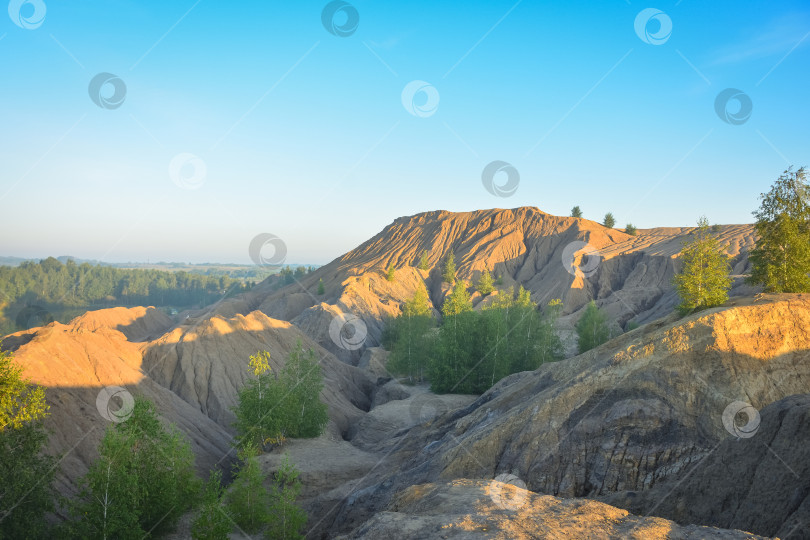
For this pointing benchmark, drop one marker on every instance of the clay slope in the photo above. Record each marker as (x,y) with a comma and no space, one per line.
(630,278)
(633,413)
(759,483)
(205,363)
(494,510)
(192,372)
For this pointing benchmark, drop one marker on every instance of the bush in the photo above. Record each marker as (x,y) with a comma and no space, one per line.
(630,229)
(485,283)
(576,212)
(25,472)
(704,280)
(247,499)
(609,220)
(142,482)
(213,522)
(271,409)
(592,328)
(449,271)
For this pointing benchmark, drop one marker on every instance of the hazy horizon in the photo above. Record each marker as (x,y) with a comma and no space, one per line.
(321,123)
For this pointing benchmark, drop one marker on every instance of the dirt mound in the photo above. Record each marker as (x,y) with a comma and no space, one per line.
(192,373)
(206,363)
(497,510)
(629,276)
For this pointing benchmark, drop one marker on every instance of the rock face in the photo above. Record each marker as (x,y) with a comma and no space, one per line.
(759,483)
(496,510)
(629,276)
(640,410)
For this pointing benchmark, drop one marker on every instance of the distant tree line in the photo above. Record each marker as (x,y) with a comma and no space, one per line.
(54,286)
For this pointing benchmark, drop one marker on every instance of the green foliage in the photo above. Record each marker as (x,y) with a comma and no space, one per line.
(389,273)
(408,338)
(716,228)
(141,484)
(424,263)
(449,270)
(458,301)
(273,408)
(20,401)
(321,289)
(25,472)
(212,521)
(632,325)
(247,499)
(287,518)
(592,328)
(485,283)
(476,349)
(576,212)
(66,290)
(704,280)
(781,259)
(609,220)
(630,229)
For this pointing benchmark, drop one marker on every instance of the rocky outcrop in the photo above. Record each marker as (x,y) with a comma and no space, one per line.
(640,410)
(759,482)
(496,510)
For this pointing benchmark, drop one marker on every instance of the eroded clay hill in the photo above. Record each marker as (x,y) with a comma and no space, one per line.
(634,416)
(630,276)
(192,372)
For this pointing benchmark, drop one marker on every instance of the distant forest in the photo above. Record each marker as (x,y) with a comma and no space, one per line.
(33,294)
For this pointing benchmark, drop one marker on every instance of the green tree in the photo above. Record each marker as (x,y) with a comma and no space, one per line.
(142,482)
(576,212)
(424,263)
(25,472)
(271,409)
(321,289)
(449,271)
(212,521)
(630,229)
(286,518)
(458,301)
(781,259)
(485,283)
(247,499)
(301,379)
(704,280)
(411,346)
(609,220)
(592,328)
(389,273)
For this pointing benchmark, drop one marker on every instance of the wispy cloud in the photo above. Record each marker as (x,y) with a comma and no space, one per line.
(775,38)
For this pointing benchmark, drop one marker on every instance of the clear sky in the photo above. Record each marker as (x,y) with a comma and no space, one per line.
(304,133)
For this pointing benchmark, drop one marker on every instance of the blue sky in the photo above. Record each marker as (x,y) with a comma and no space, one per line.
(303,134)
